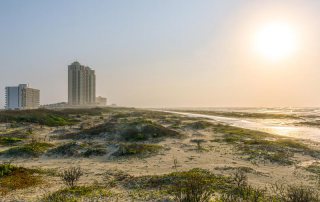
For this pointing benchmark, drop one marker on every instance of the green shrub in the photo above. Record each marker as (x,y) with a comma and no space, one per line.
(257,145)
(69,149)
(138,129)
(6,169)
(195,185)
(94,132)
(34,149)
(38,116)
(199,125)
(199,143)
(74,149)
(71,176)
(314,168)
(294,193)
(169,181)
(8,141)
(142,130)
(137,149)
(79,193)
(13,178)
(240,190)
(95,152)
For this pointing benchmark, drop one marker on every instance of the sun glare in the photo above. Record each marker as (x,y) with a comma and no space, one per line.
(276,41)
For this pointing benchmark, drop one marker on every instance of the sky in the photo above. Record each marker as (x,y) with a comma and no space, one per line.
(162,53)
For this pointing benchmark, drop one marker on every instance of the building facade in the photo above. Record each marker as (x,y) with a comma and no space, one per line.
(22,97)
(101,101)
(81,85)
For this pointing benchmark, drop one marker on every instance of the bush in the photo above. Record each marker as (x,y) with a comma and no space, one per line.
(301,194)
(241,191)
(38,116)
(8,141)
(294,193)
(74,149)
(137,149)
(68,149)
(257,145)
(6,169)
(198,142)
(142,130)
(78,193)
(71,176)
(94,132)
(94,152)
(34,149)
(199,125)
(13,178)
(195,185)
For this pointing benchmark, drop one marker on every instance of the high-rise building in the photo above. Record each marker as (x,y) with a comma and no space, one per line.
(81,85)
(22,97)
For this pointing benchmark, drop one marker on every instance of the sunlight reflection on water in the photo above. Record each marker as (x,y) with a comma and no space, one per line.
(278,127)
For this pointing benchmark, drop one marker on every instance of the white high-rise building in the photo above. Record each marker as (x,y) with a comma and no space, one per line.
(22,97)
(81,85)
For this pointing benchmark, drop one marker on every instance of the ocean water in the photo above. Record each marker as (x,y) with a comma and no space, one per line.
(283,127)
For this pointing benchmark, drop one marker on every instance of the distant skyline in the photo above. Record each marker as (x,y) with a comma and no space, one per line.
(162,53)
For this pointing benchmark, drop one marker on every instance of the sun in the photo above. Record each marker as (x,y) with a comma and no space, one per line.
(276,41)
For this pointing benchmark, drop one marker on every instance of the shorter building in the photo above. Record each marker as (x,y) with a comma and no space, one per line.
(22,97)
(59,105)
(101,101)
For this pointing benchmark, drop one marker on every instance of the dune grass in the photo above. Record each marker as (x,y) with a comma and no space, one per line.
(38,116)
(134,149)
(262,146)
(33,149)
(78,193)
(135,129)
(9,141)
(74,149)
(14,178)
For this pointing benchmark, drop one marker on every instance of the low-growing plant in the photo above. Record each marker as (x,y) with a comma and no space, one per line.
(199,125)
(78,193)
(75,149)
(38,116)
(294,193)
(130,149)
(142,130)
(13,177)
(33,149)
(240,190)
(199,143)
(262,146)
(8,141)
(71,176)
(6,169)
(195,186)
(175,163)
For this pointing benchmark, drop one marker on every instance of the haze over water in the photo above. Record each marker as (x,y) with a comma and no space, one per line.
(283,127)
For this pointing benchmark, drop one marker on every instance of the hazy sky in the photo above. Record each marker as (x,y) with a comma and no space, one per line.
(162,53)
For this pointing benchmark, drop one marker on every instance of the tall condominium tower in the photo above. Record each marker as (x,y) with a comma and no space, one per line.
(22,97)
(81,85)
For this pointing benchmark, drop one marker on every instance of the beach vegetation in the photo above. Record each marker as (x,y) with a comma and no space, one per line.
(14,177)
(33,149)
(135,149)
(71,176)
